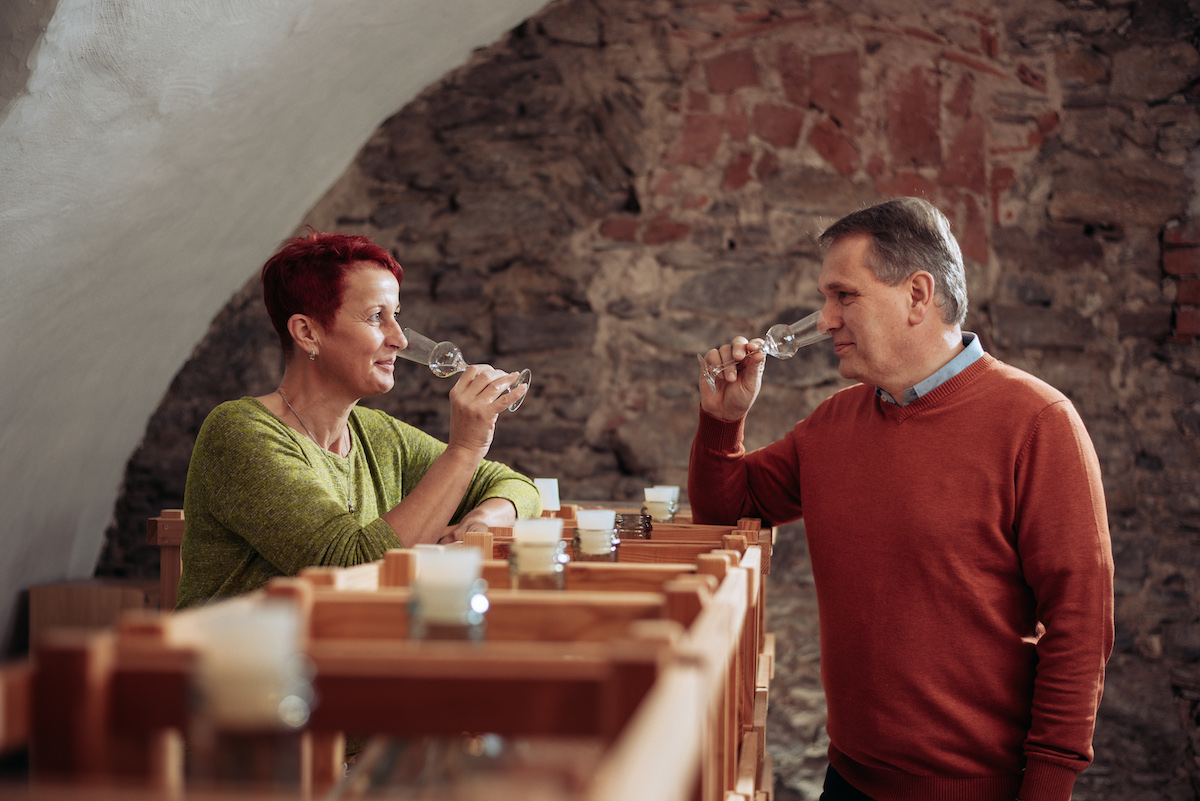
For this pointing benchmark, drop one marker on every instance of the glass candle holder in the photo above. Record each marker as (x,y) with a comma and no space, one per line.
(449,599)
(658,504)
(633,526)
(252,693)
(673,491)
(596,537)
(538,556)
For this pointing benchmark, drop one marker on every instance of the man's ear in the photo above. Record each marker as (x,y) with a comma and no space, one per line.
(921,287)
(305,333)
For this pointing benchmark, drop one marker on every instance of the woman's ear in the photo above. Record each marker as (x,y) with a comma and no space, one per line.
(305,333)
(921,287)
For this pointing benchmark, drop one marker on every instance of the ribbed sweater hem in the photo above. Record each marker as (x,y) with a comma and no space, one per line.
(890,785)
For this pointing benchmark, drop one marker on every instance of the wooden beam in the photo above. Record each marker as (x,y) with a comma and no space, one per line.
(523,615)
(16,689)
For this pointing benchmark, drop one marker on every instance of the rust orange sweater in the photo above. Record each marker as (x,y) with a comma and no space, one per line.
(963,566)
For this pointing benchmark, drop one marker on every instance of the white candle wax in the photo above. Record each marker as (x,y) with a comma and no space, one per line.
(445,582)
(548,489)
(247,664)
(536,542)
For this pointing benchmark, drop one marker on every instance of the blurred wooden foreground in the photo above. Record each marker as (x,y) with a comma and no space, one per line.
(647,678)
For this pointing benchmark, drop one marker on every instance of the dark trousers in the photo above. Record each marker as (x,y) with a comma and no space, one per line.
(838,789)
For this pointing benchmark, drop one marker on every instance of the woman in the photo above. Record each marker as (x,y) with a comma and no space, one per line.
(303,476)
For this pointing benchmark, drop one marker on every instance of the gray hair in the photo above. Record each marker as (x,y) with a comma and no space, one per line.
(909,234)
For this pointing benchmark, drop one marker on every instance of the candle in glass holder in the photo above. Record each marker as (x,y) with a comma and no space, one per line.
(538,557)
(250,673)
(548,490)
(449,598)
(595,536)
(658,504)
(252,692)
(673,490)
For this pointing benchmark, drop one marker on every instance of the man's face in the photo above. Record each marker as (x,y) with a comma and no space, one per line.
(868,319)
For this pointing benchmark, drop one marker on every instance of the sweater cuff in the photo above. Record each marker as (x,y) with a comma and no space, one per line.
(1046,781)
(720,436)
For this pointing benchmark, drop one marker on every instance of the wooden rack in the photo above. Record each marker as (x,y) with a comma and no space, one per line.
(659,665)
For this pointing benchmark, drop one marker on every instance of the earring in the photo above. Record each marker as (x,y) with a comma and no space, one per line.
(312,356)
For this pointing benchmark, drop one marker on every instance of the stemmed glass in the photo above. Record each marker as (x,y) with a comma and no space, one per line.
(444,359)
(781,341)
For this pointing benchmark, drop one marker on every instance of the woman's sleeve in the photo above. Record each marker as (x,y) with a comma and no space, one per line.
(491,480)
(258,482)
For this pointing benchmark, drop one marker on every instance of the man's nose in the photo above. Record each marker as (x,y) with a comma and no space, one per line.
(827,320)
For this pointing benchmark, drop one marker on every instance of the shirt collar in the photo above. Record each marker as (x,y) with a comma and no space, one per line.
(971,352)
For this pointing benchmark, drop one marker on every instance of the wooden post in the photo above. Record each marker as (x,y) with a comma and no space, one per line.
(712,564)
(399,568)
(166,531)
(71,701)
(481,540)
(16,687)
(686,598)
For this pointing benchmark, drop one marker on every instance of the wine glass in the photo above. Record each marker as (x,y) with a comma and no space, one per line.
(444,359)
(781,341)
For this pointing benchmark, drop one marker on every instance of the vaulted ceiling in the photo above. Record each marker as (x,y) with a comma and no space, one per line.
(151,157)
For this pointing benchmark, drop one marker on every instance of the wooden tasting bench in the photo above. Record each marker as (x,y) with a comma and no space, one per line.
(662,666)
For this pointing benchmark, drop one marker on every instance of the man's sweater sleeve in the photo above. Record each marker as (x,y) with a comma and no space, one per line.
(716,471)
(726,483)
(1066,552)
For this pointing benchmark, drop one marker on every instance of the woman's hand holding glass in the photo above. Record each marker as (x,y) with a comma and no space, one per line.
(475,404)
(444,359)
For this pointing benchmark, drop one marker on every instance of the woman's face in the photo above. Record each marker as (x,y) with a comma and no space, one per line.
(359,347)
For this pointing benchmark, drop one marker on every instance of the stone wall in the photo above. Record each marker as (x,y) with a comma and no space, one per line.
(622,183)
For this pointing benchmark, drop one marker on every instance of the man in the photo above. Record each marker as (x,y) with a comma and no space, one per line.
(956,526)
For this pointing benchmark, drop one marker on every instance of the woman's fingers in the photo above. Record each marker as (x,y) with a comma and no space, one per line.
(488,384)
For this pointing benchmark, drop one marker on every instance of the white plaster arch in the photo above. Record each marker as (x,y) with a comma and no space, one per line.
(154,154)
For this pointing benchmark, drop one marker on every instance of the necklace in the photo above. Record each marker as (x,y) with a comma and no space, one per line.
(349,500)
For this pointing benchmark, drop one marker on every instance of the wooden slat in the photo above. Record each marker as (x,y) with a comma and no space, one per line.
(447,688)
(624,577)
(658,756)
(598,576)
(527,615)
(713,640)
(751,561)
(358,577)
(16,689)
(648,551)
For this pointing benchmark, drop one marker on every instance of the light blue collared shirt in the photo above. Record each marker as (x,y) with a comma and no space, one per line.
(972,350)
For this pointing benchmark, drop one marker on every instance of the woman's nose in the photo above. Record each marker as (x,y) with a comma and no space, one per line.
(396,335)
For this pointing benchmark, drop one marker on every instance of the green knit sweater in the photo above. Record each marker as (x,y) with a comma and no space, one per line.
(263,501)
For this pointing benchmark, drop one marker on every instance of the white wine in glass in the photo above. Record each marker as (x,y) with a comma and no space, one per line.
(781,341)
(444,359)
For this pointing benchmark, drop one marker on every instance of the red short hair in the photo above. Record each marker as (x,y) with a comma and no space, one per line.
(307,275)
